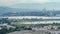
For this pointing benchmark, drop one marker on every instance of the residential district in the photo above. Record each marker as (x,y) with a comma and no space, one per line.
(29,25)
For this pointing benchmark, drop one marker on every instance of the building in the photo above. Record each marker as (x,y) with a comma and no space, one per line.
(6,26)
(41,19)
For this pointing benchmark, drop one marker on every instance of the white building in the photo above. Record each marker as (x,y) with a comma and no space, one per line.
(43,19)
(7,26)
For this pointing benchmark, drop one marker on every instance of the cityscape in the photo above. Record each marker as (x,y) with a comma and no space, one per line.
(29,16)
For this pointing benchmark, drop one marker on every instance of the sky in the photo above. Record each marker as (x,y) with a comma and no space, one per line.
(49,4)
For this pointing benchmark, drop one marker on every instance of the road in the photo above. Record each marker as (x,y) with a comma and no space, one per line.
(28,32)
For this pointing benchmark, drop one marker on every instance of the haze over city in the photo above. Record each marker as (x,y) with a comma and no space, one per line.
(32,4)
(29,16)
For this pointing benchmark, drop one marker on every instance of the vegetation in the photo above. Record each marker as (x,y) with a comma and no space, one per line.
(21,26)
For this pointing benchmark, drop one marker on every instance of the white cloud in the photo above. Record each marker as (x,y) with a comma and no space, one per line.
(7,2)
(40,1)
(12,2)
(4,1)
(54,0)
(27,1)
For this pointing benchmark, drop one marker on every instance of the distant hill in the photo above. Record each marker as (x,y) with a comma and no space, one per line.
(7,11)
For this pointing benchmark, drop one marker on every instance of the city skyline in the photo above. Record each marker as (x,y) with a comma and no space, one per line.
(32,4)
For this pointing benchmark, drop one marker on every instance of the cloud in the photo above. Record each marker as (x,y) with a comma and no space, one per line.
(54,1)
(26,1)
(7,2)
(4,1)
(13,2)
(35,1)
(40,1)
